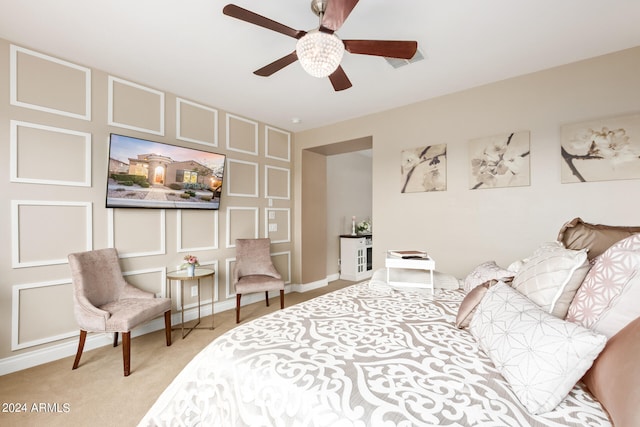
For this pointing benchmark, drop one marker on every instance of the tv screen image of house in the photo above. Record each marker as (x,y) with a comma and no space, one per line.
(148,174)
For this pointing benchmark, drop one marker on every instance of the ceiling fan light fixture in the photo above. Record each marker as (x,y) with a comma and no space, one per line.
(319,53)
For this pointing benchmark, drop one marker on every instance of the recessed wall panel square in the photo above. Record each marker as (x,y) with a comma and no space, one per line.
(282,263)
(242,223)
(197,230)
(137,232)
(277,183)
(45,83)
(150,280)
(33,301)
(196,123)
(242,135)
(278,224)
(48,155)
(242,178)
(44,233)
(132,106)
(277,144)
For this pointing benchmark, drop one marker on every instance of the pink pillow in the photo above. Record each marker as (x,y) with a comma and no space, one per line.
(608,298)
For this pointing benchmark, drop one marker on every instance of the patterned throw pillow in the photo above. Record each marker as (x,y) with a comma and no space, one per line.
(609,298)
(470,303)
(485,272)
(551,277)
(541,357)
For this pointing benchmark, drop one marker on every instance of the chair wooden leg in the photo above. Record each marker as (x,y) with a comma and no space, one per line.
(83,337)
(126,352)
(115,339)
(238,296)
(167,326)
(281,299)
(266,297)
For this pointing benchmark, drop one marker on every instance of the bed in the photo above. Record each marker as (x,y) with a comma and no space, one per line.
(377,355)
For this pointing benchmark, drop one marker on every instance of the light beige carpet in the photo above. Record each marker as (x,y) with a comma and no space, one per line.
(97,393)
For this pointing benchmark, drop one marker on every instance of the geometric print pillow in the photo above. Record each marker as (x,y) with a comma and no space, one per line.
(609,297)
(541,356)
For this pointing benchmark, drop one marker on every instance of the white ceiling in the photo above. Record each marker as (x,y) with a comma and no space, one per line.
(190,48)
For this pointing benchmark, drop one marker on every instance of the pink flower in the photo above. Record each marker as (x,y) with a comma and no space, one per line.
(191,259)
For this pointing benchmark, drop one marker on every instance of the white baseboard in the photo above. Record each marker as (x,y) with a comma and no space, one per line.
(95,340)
(305,287)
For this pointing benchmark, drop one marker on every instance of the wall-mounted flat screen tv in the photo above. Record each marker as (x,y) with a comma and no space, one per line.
(148,174)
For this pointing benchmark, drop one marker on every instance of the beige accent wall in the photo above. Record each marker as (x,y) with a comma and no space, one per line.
(313,185)
(461,227)
(54,131)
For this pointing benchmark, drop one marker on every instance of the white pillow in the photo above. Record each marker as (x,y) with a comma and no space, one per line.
(485,272)
(551,277)
(541,357)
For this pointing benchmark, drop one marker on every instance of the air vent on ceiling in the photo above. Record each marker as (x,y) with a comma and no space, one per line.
(397,63)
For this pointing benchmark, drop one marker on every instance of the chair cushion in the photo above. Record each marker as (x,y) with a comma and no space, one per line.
(126,314)
(258,283)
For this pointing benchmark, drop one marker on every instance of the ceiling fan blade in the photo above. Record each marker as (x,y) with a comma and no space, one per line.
(277,65)
(390,48)
(336,13)
(339,79)
(259,20)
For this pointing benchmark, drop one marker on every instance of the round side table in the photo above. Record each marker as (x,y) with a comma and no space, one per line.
(182,276)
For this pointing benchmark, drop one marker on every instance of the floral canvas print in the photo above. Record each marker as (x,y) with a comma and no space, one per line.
(500,161)
(424,169)
(601,150)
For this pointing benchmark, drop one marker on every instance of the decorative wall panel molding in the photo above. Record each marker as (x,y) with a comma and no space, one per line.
(137,232)
(282,262)
(29,301)
(277,183)
(69,224)
(229,291)
(242,135)
(277,144)
(149,279)
(196,230)
(136,107)
(44,83)
(196,123)
(277,224)
(242,178)
(49,155)
(242,223)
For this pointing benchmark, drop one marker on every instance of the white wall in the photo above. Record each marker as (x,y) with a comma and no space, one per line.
(349,193)
(462,227)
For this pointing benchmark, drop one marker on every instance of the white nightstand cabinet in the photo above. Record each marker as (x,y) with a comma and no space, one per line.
(355,257)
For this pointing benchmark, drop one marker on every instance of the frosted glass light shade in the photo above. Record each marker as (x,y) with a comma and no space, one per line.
(319,53)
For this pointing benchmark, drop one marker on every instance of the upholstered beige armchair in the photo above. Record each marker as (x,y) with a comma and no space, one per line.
(105,302)
(254,272)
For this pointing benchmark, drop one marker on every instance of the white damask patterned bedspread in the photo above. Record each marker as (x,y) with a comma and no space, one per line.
(360,356)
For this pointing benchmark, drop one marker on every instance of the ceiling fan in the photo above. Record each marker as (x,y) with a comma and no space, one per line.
(320,50)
